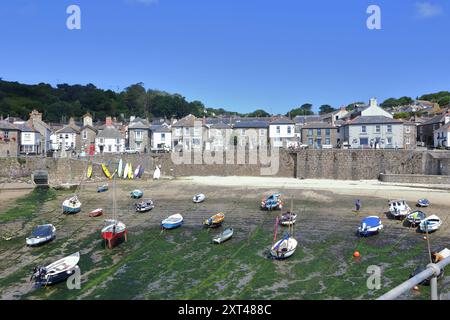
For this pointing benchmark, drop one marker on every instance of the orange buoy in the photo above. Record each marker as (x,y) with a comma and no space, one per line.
(356,254)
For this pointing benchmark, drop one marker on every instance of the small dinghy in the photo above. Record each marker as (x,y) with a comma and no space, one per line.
(136,194)
(199,198)
(272,202)
(57,271)
(106,171)
(120,168)
(288,218)
(399,208)
(103,188)
(284,248)
(113,230)
(143,206)
(136,171)
(370,226)
(96,213)
(416,217)
(71,205)
(41,234)
(141,172)
(172,222)
(215,221)
(430,224)
(157,173)
(89,171)
(423,203)
(223,236)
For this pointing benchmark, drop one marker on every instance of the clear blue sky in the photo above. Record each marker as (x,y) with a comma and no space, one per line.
(236,54)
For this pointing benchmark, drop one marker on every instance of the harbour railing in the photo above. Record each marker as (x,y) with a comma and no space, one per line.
(432,271)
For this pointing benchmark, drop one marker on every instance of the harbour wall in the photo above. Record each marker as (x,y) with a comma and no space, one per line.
(415,179)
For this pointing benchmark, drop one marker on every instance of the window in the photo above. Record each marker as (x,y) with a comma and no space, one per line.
(262,132)
(319,142)
(242,132)
(117,141)
(102,141)
(178,131)
(138,135)
(389,140)
(6,134)
(163,136)
(118,148)
(67,136)
(389,128)
(310,132)
(327,133)
(378,129)
(84,134)
(364,141)
(278,129)
(327,141)
(186,131)
(319,132)
(61,136)
(310,141)
(109,148)
(363,129)
(289,129)
(407,140)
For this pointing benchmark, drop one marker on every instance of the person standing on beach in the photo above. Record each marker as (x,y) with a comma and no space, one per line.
(358,205)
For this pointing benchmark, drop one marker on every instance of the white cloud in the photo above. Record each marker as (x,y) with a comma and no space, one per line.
(428,9)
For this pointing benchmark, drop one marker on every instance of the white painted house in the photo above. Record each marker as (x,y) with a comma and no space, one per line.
(109,140)
(66,138)
(282,132)
(30,139)
(160,137)
(442,135)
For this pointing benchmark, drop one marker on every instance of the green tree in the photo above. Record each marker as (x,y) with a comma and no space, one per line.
(258,113)
(325,108)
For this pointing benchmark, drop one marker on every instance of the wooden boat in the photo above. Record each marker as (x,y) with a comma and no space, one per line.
(370,226)
(284,248)
(172,222)
(272,202)
(416,217)
(215,221)
(145,205)
(430,224)
(223,236)
(113,230)
(96,213)
(399,208)
(89,171)
(120,168)
(71,205)
(103,188)
(137,194)
(41,234)
(423,203)
(106,171)
(136,171)
(57,271)
(288,218)
(199,198)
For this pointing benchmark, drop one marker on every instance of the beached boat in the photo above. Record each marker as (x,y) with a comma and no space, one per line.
(96,213)
(284,248)
(157,173)
(136,171)
(114,229)
(172,222)
(370,226)
(89,171)
(125,170)
(272,202)
(416,217)
(145,205)
(120,168)
(215,221)
(106,171)
(430,224)
(223,236)
(57,271)
(399,208)
(141,171)
(423,203)
(130,171)
(103,188)
(71,205)
(136,194)
(199,198)
(41,234)
(288,218)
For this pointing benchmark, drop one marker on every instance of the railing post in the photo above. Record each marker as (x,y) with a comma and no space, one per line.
(433,281)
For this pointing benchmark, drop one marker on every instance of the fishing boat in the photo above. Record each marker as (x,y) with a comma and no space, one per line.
(288,218)
(272,202)
(96,213)
(199,198)
(136,171)
(57,271)
(423,203)
(71,205)
(370,226)
(172,222)
(285,247)
(430,224)
(416,217)
(399,208)
(215,221)
(223,236)
(145,205)
(41,234)
(103,188)
(136,194)
(106,171)
(120,168)
(89,171)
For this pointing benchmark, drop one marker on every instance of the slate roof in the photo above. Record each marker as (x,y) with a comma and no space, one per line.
(318,125)
(139,123)
(306,119)
(281,120)
(159,128)
(187,121)
(373,120)
(220,125)
(5,125)
(110,132)
(436,119)
(67,129)
(251,124)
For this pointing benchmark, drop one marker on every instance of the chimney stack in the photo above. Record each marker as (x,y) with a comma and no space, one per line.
(108,121)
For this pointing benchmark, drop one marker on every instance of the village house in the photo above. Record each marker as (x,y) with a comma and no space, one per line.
(109,140)
(88,134)
(282,132)
(218,135)
(30,139)
(319,135)
(426,130)
(160,137)
(409,135)
(36,122)
(139,135)
(67,138)
(187,133)
(251,133)
(442,135)
(9,139)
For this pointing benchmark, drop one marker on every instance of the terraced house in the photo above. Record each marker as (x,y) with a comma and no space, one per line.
(187,133)
(9,139)
(251,133)
(139,135)
(319,135)
(218,135)
(160,137)
(281,132)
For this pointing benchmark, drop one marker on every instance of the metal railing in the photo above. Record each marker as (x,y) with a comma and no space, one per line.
(433,270)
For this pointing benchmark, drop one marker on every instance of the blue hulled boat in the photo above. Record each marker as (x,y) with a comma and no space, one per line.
(272,202)
(71,205)
(172,222)
(370,226)
(136,194)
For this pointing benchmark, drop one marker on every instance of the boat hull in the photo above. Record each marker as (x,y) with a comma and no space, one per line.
(50,280)
(96,213)
(34,242)
(284,253)
(170,226)
(70,210)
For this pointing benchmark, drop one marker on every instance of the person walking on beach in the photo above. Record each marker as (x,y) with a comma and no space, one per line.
(358,205)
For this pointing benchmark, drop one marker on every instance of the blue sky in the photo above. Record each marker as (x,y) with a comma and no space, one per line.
(237,54)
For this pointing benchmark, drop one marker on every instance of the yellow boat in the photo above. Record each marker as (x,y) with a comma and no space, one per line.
(130,171)
(215,221)
(106,171)
(89,171)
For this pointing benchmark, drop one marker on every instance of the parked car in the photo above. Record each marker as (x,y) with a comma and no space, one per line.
(130,151)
